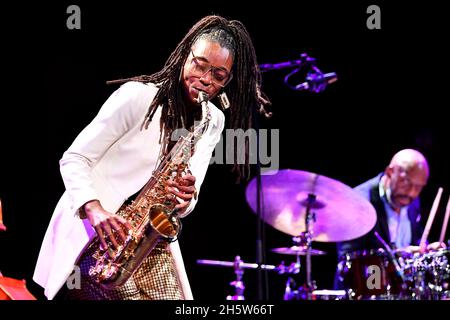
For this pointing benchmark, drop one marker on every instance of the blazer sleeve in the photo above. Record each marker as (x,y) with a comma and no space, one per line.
(117,115)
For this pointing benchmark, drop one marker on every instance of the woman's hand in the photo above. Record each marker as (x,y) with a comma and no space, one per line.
(184,191)
(107,225)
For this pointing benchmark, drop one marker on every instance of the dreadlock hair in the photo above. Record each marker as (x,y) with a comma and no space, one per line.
(243,90)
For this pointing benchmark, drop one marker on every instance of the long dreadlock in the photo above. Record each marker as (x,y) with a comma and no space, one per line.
(243,91)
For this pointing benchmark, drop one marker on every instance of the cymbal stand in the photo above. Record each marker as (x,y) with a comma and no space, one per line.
(310,218)
(289,293)
(294,268)
(238,284)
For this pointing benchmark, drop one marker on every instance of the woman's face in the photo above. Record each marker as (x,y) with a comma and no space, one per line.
(207,68)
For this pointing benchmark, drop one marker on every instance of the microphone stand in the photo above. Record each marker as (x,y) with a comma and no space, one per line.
(304,58)
(398,269)
(316,80)
(391,255)
(262,285)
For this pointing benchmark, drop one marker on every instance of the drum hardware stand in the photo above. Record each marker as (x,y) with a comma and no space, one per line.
(310,218)
(304,240)
(239,266)
(294,268)
(238,284)
(289,294)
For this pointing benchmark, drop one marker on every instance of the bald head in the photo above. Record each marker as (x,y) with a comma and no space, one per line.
(409,159)
(405,177)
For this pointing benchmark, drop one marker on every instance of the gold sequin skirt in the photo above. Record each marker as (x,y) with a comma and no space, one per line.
(155,279)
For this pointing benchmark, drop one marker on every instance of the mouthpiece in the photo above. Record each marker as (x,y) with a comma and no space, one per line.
(202,97)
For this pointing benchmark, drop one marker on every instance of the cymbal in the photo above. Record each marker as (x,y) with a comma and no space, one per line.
(296,250)
(341,213)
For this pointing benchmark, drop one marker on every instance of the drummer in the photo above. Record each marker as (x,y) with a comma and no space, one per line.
(395,197)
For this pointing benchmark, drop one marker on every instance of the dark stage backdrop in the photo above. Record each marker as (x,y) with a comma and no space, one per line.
(389,96)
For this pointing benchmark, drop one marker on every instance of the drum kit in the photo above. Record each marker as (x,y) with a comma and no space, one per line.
(312,207)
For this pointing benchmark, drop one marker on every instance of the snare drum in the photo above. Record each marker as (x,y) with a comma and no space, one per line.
(369,274)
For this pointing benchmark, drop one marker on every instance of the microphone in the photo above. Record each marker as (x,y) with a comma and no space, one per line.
(316,82)
(390,254)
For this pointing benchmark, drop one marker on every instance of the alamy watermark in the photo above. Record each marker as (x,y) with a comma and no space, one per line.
(74,280)
(235,145)
(374,19)
(74,19)
(373,277)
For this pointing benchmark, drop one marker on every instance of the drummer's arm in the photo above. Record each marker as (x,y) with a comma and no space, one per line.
(436,246)
(430,247)
(412,249)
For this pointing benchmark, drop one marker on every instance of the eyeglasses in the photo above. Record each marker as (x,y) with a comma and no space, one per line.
(406,181)
(219,76)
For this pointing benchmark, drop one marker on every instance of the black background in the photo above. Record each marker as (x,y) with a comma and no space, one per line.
(391,94)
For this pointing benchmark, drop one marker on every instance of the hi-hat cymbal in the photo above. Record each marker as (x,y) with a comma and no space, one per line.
(296,250)
(341,213)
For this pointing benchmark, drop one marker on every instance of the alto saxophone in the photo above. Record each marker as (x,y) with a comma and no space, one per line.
(152,214)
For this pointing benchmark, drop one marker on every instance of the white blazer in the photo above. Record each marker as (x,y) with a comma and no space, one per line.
(110,160)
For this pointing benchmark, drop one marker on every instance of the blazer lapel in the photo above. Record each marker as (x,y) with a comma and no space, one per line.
(381,214)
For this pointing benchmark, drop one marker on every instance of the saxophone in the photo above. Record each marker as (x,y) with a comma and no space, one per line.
(152,214)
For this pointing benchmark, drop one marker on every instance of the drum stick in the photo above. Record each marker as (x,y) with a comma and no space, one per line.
(434,208)
(444,226)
